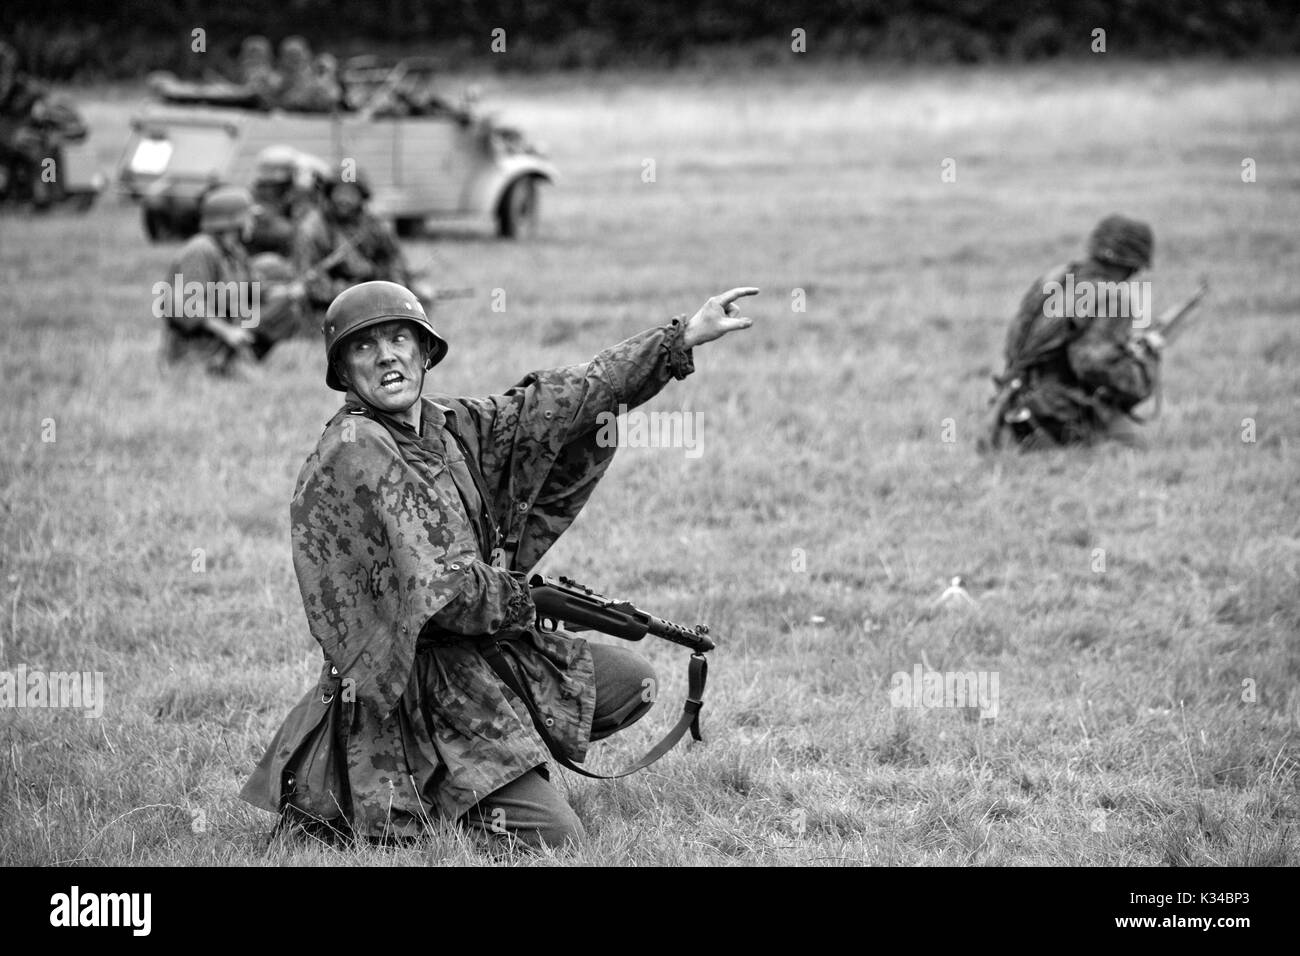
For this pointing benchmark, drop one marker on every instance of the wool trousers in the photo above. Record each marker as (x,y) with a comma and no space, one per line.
(530,809)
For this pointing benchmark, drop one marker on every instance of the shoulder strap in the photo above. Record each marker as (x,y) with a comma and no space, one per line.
(485,501)
(689,720)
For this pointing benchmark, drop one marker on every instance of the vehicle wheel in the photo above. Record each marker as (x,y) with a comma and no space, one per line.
(151,226)
(408,226)
(517,214)
(161,227)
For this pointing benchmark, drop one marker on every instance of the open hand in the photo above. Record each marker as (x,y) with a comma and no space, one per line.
(718,316)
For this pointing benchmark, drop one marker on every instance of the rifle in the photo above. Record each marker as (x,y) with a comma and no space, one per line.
(428,294)
(331,260)
(460,293)
(565,601)
(1169,323)
(423,291)
(579,608)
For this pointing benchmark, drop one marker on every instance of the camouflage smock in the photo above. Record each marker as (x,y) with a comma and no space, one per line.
(1082,373)
(389,545)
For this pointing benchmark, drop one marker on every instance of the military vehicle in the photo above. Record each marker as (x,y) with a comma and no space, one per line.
(425,158)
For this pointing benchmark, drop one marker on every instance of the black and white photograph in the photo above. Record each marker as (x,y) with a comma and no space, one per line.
(651,435)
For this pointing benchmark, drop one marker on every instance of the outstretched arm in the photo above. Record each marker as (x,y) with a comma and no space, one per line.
(628,374)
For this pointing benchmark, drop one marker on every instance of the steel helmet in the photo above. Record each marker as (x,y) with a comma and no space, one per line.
(368,304)
(255,47)
(1123,242)
(338,176)
(276,164)
(225,207)
(295,51)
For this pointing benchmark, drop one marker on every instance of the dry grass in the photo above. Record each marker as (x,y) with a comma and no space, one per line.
(1122,736)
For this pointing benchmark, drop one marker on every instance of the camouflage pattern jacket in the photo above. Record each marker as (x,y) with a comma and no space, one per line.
(392,545)
(1084,373)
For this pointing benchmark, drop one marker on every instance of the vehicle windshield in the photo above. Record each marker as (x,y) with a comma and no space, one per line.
(197,152)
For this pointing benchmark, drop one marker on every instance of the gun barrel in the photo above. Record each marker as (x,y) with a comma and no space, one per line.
(581,607)
(1171,321)
(697,640)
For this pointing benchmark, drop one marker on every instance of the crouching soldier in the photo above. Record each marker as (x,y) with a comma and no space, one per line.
(407,522)
(1074,372)
(219,307)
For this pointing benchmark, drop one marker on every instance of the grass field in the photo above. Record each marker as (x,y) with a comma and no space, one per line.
(1147,712)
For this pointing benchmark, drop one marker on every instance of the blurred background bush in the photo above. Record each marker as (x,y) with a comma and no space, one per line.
(88,39)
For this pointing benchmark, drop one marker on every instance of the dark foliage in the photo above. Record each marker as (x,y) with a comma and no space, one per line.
(88,38)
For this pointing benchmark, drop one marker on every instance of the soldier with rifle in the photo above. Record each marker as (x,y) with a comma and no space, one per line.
(1074,375)
(415,523)
(344,221)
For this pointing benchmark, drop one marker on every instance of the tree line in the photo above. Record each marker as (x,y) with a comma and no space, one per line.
(88,39)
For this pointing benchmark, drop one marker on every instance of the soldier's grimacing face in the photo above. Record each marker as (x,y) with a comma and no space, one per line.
(384,365)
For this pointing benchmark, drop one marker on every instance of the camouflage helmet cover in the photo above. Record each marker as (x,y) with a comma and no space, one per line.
(1121,241)
(225,207)
(371,303)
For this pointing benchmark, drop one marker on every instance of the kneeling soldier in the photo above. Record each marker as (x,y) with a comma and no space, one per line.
(1074,375)
(221,307)
(407,522)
